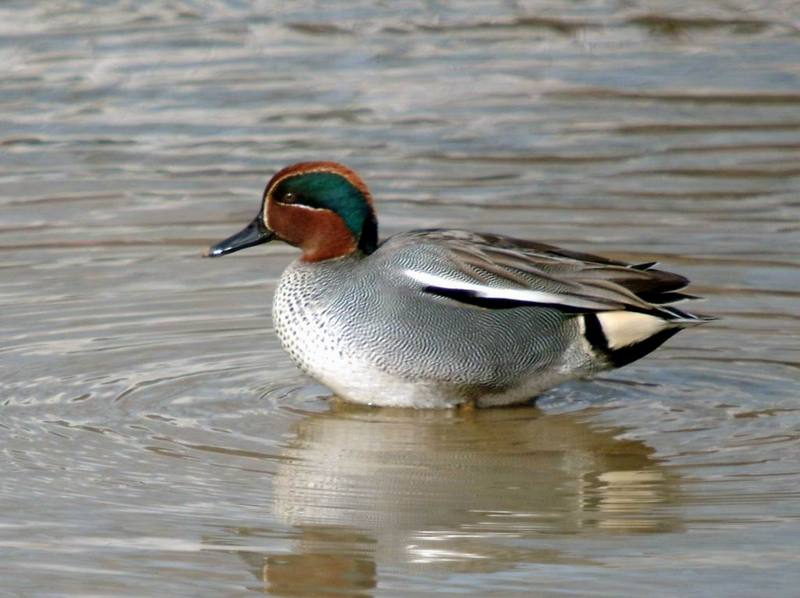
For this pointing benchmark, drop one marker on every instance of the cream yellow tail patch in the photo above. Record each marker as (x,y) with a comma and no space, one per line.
(623,328)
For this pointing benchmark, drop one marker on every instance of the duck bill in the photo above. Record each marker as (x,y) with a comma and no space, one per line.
(251,235)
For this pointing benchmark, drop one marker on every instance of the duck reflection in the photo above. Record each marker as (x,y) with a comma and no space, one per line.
(458,491)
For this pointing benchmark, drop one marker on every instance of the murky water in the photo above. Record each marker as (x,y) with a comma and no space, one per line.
(156,440)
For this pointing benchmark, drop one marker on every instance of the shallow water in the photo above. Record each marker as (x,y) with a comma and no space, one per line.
(156,440)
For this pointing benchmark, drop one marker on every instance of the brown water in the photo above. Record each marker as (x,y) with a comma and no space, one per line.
(156,440)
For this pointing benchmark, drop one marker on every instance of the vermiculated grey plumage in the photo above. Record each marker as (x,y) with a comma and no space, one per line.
(368,315)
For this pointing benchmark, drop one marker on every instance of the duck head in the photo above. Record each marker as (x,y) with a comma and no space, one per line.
(323,208)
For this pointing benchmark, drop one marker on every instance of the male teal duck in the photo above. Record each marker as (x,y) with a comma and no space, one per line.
(442,317)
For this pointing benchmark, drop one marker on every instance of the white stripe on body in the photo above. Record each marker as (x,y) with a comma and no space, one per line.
(502,293)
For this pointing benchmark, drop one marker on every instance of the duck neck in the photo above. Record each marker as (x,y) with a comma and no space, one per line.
(368,239)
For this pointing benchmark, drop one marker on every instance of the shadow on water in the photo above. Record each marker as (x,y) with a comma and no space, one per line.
(473,492)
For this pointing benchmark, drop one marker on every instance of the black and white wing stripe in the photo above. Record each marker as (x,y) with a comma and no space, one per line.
(495,297)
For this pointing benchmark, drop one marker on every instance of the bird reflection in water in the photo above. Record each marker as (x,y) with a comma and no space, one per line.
(369,489)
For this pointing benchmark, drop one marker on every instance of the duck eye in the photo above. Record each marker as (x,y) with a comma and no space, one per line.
(288,197)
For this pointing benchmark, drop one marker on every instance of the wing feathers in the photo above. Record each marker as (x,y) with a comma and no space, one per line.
(501,272)
(509,297)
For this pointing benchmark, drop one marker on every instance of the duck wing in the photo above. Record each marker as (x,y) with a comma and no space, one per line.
(498,272)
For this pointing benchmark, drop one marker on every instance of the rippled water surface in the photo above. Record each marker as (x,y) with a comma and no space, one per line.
(156,440)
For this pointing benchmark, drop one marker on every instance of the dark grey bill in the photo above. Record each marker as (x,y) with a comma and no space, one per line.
(253,234)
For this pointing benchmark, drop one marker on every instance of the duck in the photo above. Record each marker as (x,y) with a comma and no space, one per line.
(445,318)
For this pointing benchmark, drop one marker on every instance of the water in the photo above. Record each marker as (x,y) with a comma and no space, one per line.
(156,440)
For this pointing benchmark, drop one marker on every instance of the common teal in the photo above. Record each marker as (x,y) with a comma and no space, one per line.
(441,317)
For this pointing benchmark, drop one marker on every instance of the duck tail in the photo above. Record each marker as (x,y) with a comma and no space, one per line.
(625,336)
